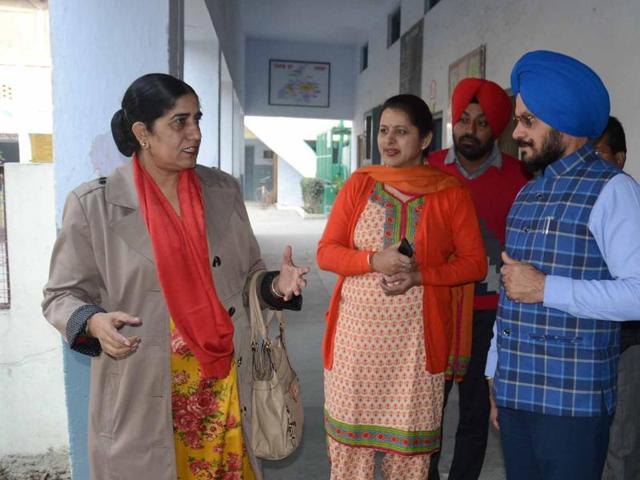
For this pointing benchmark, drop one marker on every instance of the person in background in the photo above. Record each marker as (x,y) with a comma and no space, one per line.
(403,238)
(571,273)
(148,276)
(480,111)
(623,456)
(612,144)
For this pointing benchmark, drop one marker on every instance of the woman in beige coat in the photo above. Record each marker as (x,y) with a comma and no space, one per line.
(148,276)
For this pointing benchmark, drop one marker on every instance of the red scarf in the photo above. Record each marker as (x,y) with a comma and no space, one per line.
(182,261)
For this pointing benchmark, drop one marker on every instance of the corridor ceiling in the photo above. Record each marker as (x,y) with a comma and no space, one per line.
(317,21)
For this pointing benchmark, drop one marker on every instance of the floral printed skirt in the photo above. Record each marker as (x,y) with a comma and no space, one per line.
(206,420)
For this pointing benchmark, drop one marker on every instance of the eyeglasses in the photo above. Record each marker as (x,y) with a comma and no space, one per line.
(527,120)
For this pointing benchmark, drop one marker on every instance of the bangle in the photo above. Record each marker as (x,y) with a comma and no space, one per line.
(369,258)
(274,290)
(85,331)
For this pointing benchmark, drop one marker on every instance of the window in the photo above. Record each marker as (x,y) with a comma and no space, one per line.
(429,4)
(367,136)
(436,140)
(9,148)
(371,126)
(393,27)
(364,57)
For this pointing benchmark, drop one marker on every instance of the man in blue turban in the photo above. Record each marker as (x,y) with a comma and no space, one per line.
(571,273)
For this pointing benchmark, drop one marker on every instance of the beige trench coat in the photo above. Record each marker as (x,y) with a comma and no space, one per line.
(103,256)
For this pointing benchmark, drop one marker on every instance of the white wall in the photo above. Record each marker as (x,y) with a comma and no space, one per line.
(201,72)
(604,36)
(289,190)
(33,415)
(210,59)
(343,60)
(286,137)
(381,79)
(83,39)
(238,138)
(227,22)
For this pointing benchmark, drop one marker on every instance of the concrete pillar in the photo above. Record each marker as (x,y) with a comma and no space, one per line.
(98,48)
(202,72)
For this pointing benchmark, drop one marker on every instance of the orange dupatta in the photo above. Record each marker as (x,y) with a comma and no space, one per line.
(421,179)
(448,345)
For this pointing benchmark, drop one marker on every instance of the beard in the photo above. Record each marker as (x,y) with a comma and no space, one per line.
(475,149)
(550,151)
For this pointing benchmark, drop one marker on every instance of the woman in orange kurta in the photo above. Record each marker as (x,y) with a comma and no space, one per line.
(396,325)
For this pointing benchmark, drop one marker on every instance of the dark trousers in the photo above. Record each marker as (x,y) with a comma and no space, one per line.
(473,427)
(549,447)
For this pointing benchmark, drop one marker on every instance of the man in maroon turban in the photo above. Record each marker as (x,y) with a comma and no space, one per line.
(480,111)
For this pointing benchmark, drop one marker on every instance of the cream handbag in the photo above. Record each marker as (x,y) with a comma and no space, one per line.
(276,424)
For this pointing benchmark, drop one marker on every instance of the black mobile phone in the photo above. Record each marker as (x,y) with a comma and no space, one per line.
(405,248)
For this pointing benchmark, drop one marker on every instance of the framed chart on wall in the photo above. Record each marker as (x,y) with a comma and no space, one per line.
(299,83)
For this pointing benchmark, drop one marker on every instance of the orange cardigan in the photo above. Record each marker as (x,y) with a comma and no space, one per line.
(450,255)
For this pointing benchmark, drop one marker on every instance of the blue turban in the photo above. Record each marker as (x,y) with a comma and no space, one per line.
(563,92)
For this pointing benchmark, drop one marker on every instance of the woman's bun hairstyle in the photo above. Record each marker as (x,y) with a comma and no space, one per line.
(122,134)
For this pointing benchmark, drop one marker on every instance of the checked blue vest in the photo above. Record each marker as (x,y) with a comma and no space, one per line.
(549,361)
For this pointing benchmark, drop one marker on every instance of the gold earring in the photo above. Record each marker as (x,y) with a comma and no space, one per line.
(143,144)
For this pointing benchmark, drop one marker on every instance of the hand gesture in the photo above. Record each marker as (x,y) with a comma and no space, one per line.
(291,279)
(390,261)
(522,281)
(400,282)
(105,326)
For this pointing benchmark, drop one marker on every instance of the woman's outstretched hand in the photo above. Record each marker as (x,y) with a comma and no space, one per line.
(105,326)
(291,279)
(390,261)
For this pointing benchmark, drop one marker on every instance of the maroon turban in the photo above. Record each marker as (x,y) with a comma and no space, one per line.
(492,98)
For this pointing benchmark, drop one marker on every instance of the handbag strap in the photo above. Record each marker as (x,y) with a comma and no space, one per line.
(258,325)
